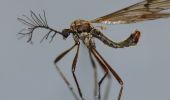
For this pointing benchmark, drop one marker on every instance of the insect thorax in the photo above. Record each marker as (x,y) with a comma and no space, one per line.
(81,26)
(82,29)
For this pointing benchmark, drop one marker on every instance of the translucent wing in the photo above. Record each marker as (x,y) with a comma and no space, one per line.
(145,10)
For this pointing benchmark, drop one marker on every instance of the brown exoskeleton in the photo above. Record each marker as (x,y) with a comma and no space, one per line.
(83,30)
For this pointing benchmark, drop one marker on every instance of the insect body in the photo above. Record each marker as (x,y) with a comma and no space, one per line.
(84,31)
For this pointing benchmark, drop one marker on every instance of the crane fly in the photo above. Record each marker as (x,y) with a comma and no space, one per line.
(83,30)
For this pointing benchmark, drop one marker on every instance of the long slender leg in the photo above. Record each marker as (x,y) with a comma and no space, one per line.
(106,94)
(101,81)
(99,84)
(99,57)
(95,76)
(61,73)
(73,71)
(105,69)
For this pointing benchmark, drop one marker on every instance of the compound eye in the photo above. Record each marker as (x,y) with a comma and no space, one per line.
(66,32)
